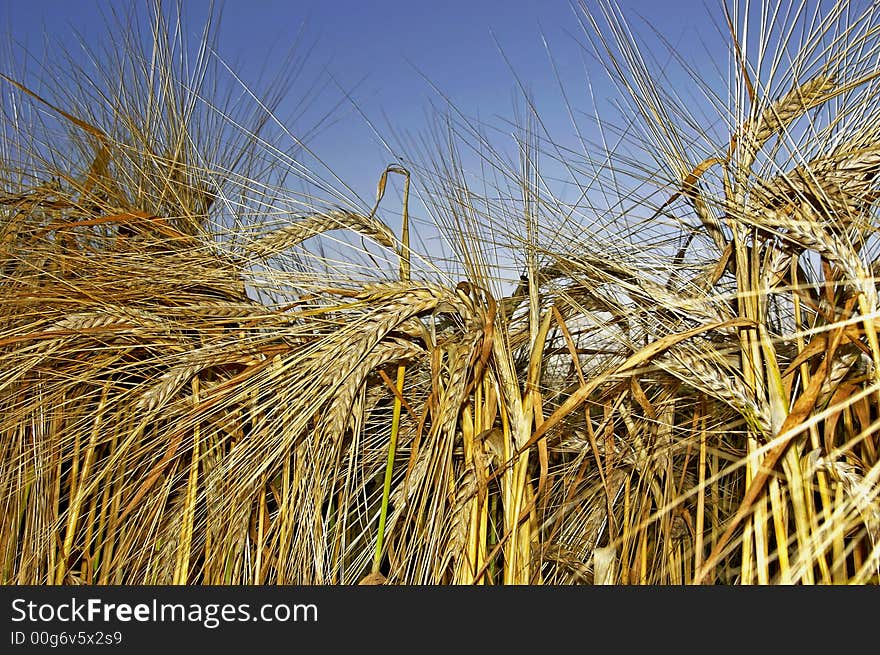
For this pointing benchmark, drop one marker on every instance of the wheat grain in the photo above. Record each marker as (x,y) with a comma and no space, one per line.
(692,366)
(167,385)
(861,489)
(338,412)
(781,113)
(460,517)
(294,234)
(840,367)
(128,317)
(452,395)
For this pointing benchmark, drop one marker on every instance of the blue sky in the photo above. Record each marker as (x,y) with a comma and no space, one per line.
(383,53)
(385,64)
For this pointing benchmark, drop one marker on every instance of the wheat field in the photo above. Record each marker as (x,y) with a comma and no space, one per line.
(210,377)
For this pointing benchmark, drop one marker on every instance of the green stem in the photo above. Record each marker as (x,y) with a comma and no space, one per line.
(401,369)
(389,466)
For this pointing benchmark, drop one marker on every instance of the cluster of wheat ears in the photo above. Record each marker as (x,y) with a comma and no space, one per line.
(204,379)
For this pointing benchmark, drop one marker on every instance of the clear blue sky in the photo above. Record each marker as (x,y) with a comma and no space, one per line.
(382,51)
(475,52)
